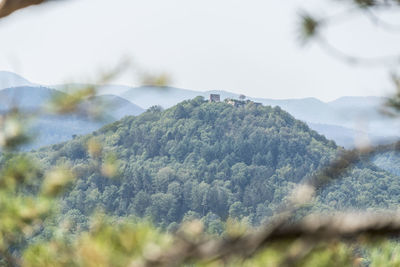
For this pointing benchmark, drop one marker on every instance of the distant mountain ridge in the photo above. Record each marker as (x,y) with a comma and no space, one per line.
(50,129)
(25,97)
(359,114)
(347,115)
(28,97)
(9,79)
(342,119)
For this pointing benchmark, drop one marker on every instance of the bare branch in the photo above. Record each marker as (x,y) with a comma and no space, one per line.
(9,6)
(371,62)
(343,226)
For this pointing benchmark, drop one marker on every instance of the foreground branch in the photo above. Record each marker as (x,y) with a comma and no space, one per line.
(313,229)
(9,6)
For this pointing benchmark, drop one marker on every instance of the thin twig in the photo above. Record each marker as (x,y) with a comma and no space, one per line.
(363,61)
(380,22)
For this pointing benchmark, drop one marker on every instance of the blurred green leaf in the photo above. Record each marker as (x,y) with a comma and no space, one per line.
(56,180)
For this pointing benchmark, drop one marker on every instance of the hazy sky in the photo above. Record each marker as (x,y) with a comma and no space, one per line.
(243,46)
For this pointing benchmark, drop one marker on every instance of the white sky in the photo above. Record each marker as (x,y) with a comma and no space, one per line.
(243,46)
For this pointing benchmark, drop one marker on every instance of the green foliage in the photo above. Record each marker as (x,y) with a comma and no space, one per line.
(194,161)
(26,201)
(107,243)
(205,162)
(206,158)
(209,159)
(385,253)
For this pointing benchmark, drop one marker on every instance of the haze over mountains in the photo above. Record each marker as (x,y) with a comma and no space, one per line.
(10,79)
(342,120)
(49,128)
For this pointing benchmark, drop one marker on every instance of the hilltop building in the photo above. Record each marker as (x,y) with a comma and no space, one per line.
(215,98)
(241,103)
(235,102)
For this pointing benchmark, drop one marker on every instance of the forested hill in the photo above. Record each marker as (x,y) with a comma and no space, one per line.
(201,160)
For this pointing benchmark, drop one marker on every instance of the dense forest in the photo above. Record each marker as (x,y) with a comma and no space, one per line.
(208,161)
